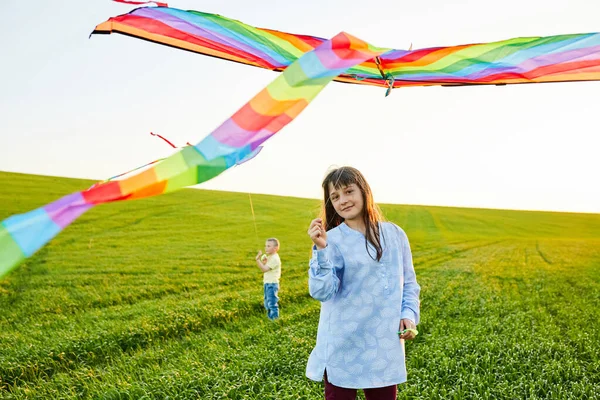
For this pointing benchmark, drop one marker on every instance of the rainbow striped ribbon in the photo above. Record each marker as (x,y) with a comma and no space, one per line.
(233,142)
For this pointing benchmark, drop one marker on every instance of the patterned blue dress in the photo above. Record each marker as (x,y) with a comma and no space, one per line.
(362,302)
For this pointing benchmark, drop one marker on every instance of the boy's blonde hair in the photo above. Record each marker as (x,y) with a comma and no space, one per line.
(274,240)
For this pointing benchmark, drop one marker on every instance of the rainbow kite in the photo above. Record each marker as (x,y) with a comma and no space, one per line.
(308,64)
(236,140)
(562,58)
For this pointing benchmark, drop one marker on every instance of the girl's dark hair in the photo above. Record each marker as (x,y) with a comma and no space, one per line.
(345,176)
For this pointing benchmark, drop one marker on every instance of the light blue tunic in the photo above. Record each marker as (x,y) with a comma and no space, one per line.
(363,301)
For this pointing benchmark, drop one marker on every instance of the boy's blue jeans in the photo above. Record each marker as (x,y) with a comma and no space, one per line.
(271,300)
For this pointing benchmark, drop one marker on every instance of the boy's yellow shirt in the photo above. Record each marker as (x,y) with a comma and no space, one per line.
(274,272)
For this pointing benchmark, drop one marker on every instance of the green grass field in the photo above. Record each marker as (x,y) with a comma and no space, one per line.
(160,298)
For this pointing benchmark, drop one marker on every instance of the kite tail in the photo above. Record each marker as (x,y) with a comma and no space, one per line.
(237,138)
(157,135)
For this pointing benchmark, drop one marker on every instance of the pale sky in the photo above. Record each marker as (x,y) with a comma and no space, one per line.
(78,107)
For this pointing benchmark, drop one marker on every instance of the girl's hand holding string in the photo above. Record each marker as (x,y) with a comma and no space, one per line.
(317,233)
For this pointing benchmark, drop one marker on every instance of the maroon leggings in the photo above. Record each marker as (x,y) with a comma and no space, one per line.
(333,392)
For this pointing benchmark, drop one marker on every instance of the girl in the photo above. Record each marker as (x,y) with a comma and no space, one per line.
(362,272)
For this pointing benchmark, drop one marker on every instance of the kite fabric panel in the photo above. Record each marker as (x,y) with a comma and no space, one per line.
(235,141)
(561,58)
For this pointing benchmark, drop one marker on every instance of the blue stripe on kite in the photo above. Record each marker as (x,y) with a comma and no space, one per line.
(31,230)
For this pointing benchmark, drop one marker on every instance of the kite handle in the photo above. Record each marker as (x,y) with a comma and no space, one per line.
(416,332)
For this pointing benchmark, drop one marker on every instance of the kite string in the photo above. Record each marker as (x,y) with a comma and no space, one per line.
(135,169)
(254,219)
(145,165)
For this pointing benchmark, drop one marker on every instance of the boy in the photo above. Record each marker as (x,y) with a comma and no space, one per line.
(270,265)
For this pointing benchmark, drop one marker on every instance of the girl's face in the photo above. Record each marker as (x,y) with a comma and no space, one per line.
(347,201)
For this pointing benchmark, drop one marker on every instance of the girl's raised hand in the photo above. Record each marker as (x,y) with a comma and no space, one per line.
(317,233)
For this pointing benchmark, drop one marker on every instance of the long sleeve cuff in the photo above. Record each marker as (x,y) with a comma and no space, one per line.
(407,313)
(322,258)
